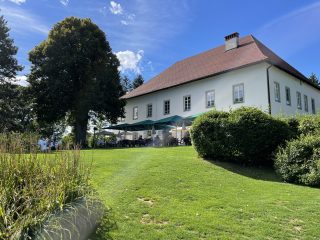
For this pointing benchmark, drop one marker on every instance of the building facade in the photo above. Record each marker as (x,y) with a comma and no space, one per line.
(243,72)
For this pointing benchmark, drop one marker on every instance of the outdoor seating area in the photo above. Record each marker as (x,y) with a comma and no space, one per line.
(174,132)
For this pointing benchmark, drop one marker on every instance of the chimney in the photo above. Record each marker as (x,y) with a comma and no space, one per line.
(231,41)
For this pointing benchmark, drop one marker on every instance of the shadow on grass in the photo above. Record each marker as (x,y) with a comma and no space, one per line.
(258,173)
(107,224)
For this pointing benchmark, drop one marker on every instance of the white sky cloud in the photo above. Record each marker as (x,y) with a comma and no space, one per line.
(22,81)
(115,8)
(64,2)
(292,32)
(16,17)
(130,61)
(18,1)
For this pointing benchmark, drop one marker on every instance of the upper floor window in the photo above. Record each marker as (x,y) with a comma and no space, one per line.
(306,106)
(313,106)
(135,113)
(149,110)
(276,91)
(187,103)
(288,96)
(238,93)
(166,107)
(299,101)
(210,99)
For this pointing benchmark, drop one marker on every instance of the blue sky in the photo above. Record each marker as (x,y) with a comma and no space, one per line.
(150,35)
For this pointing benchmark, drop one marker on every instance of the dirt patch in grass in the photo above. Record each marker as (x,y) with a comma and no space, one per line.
(146,201)
(147,219)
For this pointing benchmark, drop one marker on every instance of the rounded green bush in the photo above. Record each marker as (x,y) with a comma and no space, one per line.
(299,161)
(210,136)
(246,135)
(256,135)
(309,124)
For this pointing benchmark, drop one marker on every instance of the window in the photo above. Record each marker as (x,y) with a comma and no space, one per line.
(166,107)
(306,107)
(149,110)
(210,99)
(299,102)
(276,92)
(313,106)
(135,113)
(238,93)
(288,96)
(187,103)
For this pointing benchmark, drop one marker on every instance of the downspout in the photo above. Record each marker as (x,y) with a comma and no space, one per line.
(268,83)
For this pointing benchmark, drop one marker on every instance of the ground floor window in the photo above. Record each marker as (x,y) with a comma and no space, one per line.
(313,106)
(166,107)
(187,103)
(288,96)
(135,113)
(299,102)
(306,106)
(149,110)
(238,93)
(210,99)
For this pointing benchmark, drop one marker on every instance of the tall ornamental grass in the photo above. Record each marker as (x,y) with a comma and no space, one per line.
(34,186)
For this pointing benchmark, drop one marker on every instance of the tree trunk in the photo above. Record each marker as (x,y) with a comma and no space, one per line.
(80,131)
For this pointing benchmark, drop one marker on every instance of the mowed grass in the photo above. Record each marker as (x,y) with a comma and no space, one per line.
(170,193)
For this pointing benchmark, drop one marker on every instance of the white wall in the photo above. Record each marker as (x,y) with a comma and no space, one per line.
(255,94)
(286,80)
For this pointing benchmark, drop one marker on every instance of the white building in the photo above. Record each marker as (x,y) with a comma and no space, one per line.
(242,72)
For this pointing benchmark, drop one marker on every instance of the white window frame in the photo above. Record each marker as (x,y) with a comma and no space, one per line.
(288,96)
(135,115)
(299,100)
(149,115)
(306,104)
(234,93)
(313,106)
(212,102)
(164,107)
(277,92)
(187,103)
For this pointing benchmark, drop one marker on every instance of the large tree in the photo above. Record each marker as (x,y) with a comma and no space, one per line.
(8,63)
(74,72)
(14,107)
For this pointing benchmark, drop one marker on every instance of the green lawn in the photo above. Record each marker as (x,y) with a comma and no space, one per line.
(170,193)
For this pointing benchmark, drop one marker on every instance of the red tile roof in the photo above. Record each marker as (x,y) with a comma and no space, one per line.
(213,62)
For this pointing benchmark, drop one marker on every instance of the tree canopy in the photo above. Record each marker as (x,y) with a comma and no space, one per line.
(313,78)
(8,63)
(73,72)
(138,81)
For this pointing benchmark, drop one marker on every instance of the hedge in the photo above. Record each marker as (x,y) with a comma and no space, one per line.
(299,161)
(245,135)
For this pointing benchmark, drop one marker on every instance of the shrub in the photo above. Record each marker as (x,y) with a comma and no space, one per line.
(299,161)
(256,135)
(34,186)
(309,124)
(246,135)
(210,136)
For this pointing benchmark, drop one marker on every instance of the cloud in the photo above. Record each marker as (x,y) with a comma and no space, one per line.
(150,24)
(115,8)
(22,81)
(16,17)
(64,2)
(130,61)
(128,20)
(293,32)
(19,2)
